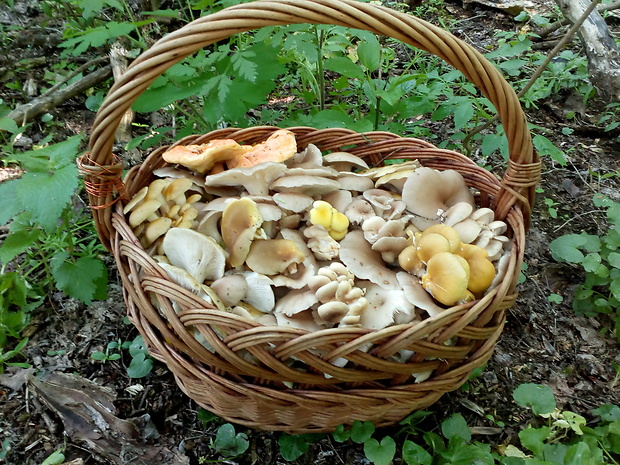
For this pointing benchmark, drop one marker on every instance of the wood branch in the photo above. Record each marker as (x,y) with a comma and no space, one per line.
(40,105)
(600,47)
(565,22)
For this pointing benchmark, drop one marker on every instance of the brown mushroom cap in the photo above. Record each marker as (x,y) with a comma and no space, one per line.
(279,147)
(201,158)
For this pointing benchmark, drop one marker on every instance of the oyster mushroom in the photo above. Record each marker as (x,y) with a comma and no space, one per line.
(240,221)
(359,210)
(357,255)
(303,184)
(344,161)
(273,256)
(310,157)
(383,307)
(429,193)
(416,295)
(252,288)
(196,253)
(298,277)
(324,246)
(254,179)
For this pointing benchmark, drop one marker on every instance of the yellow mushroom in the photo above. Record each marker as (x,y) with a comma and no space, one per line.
(448,232)
(273,256)
(334,222)
(481,270)
(429,245)
(446,278)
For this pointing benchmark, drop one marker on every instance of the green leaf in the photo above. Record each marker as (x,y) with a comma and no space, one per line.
(456,426)
(55,458)
(369,53)
(361,432)
(344,66)
(380,453)
(534,438)
(545,147)
(9,204)
(607,412)
(140,366)
(614,259)
(537,396)
(98,355)
(20,238)
(413,454)
(292,446)
(45,195)
(578,454)
(80,279)
(462,114)
(340,434)
(566,248)
(7,124)
(229,443)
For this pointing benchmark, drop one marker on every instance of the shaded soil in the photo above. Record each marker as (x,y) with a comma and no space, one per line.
(543,342)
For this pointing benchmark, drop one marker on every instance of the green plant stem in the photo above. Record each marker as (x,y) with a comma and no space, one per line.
(320,35)
(560,45)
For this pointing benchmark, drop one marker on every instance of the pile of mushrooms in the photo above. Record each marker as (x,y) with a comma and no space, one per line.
(317,241)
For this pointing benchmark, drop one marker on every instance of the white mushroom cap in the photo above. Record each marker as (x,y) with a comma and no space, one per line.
(355,182)
(468,230)
(254,179)
(344,161)
(416,295)
(357,255)
(196,253)
(311,156)
(296,301)
(231,289)
(430,193)
(260,293)
(293,201)
(383,306)
(339,199)
(458,212)
(359,210)
(302,184)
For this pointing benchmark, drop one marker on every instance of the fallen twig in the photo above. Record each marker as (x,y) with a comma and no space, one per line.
(40,105)
(568,36)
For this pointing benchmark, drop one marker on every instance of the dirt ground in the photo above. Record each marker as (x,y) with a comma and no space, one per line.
(543,342)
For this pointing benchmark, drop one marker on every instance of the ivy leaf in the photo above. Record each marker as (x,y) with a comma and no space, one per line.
(230,443)
(361,432)
(566,248)
(380,453)
(292,446)
(537,396)
(340,434)
(82,279)
(456,427)
(413,454)
(140,366)
(533,438)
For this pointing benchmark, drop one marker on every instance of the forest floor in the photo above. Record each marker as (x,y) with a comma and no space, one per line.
(543,342)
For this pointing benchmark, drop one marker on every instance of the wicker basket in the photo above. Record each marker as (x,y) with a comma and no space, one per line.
(372,386)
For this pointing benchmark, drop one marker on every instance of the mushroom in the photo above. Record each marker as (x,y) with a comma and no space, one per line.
(429,193)
(230,289)
(298,277)
(292,201)
(344,161)
(296,301)
(359,210)
(196,253)
(355,182)
(310,157)
(254,179)
(339,199)
(252,288)
(481,270)
(324,246)
(446,278)
(302,184)
(279,147)
(435,239)
(240,221)
(334,222)
(357,255)
(383,307)
(416,295)
(201,158)
(273,256)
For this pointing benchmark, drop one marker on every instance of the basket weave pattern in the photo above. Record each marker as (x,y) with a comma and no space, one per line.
(256,390)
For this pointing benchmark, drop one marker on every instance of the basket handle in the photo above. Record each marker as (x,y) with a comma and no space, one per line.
(103,169)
